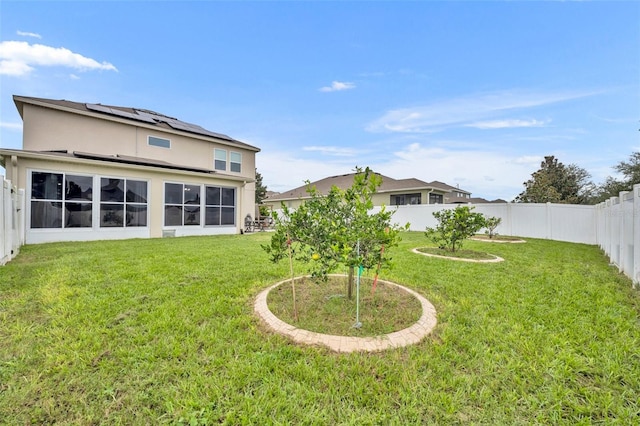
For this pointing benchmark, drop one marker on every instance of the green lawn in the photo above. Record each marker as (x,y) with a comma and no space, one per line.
(163,332)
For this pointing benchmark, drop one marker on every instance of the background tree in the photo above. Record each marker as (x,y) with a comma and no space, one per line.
(455,226)
(338,228)
(612,187)
(261,190)
(556,183)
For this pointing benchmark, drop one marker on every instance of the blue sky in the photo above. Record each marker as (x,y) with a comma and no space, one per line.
(473,94)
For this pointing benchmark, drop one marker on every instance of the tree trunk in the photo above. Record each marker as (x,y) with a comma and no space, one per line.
(350,283)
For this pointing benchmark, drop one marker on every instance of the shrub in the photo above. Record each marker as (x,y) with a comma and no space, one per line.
(491,223)
(454,226)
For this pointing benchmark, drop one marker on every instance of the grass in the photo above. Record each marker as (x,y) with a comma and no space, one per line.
(163,332)
(325,308)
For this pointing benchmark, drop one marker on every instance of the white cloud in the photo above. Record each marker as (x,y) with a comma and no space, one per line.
(19,58)
(11,126)
(27,34)
(332,150)
(337,86)
(506,124)
(465,111)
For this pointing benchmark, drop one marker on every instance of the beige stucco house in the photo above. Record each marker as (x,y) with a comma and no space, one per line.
(392,192)
(91,171)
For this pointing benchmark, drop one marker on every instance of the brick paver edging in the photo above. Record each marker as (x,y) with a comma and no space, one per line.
(397,339)
(461,259)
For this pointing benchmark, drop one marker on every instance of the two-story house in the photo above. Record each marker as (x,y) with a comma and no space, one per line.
(91,171)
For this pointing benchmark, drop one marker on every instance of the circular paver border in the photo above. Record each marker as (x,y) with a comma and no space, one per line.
(496,259)
(408,336)
(486,240)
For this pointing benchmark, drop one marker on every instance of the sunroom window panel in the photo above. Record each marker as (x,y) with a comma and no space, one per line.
(78,215)
(191,194)
(173,215)
(112,190)
(228,196)
(46,186)
(212,216)
(78,188)
(212,196)
(111,215)
(136,191)
(46,214)
(136,215)
(192,215)
(228,216)
(173,193)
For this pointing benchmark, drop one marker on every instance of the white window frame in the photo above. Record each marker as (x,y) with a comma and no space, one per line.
(231,162)
(217,151)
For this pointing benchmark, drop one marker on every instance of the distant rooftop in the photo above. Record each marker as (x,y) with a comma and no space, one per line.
(345,181)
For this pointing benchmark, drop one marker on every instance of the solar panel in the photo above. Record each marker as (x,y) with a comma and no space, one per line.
(153,118)
(119,113)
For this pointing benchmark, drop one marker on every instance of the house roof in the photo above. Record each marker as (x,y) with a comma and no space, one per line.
(139,116)
(345,181)
(77,156)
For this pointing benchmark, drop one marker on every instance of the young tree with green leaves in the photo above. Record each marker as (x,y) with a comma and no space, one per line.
(336,229)
(491,223)
(455,226)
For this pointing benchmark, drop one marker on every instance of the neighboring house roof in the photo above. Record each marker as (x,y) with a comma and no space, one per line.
(345,181)
(474,200)
(142,117)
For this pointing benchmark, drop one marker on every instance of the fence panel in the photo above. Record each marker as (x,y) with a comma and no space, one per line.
(11,221)
(626,233)
(4,239)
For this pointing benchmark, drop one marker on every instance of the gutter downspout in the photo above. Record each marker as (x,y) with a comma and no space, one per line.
(429,193)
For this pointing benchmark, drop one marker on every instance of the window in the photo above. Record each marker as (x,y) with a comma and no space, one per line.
(220,206)
(220,159)
(435,198)
(235,161)
(160,142)
(60,201)
(402,199)
(181,204)
(123,203)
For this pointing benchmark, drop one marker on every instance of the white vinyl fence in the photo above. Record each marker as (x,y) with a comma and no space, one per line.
(619,231)
(613,225)
(11,221)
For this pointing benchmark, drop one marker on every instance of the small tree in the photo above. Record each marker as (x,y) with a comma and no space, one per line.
(455,226)
(491,223)
(338,228)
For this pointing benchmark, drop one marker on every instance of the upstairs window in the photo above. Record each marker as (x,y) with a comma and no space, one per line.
(220,159)
(159,142)
(235,162)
